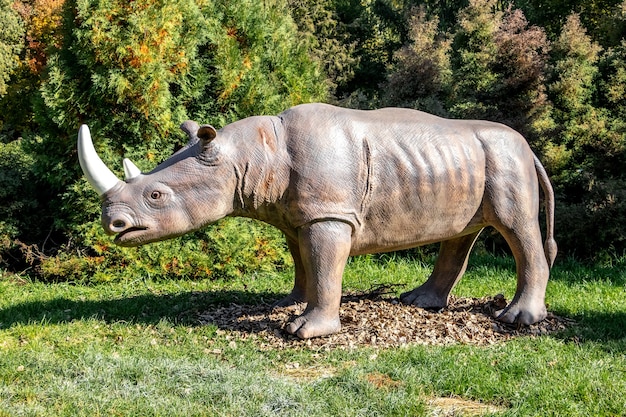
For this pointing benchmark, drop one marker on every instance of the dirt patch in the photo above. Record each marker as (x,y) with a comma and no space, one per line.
(382,381)
(456,407)
(371,319)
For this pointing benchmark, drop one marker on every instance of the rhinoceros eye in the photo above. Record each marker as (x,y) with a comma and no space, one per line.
(155,195)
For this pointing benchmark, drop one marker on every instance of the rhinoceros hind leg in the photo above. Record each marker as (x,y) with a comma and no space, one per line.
(449,268)
(325,247)
(298,293)
(528,304)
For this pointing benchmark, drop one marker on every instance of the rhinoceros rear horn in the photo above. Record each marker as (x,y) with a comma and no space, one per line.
(101,178)
(130,170)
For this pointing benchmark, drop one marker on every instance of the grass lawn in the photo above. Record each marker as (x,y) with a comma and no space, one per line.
(137,349)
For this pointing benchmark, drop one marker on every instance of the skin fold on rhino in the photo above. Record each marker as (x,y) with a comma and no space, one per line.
(340,182)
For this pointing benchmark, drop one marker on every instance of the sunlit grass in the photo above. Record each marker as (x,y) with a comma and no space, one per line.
(136,348)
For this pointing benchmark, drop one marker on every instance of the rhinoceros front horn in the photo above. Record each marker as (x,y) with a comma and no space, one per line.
(101,178)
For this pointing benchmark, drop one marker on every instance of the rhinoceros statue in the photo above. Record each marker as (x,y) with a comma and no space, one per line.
(340,182)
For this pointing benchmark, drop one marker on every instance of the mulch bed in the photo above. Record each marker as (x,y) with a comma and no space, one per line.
(374,320)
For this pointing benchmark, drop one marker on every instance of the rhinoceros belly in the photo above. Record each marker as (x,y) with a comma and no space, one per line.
(421,189)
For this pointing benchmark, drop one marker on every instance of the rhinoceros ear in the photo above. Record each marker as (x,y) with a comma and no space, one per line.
(207,133)
(210,153)
(190,128)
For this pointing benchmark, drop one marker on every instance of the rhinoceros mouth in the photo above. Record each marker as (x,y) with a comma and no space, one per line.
(130,235)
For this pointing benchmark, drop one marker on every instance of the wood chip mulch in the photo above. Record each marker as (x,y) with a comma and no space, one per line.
(371,319)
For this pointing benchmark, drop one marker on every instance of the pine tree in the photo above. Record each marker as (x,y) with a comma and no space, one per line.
(10,42)
(587,152)
(420,77)
(473,60)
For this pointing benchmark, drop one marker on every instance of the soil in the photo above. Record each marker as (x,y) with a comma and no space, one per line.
(375,320)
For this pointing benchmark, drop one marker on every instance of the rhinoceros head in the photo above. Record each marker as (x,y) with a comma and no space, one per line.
(192,188)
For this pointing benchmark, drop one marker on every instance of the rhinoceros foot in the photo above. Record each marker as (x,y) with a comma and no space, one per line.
(524,311)
(423,298)
(313,323)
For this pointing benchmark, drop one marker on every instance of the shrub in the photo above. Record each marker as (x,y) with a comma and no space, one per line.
(320,21)
(18,204)
(499,66)
(133,72)
(421,78)
(492,65)
(566,98)
(232,248)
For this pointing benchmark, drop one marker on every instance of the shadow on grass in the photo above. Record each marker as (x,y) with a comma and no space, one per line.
(185,308)
(182,308)
(595,325)
(600,327)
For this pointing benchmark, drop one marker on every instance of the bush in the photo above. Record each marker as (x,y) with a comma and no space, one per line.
(566,98)
(421,79)
(492,65)
(133,72)
(593,225)
(231,248)
(588,149)
(18,204)
(331,45)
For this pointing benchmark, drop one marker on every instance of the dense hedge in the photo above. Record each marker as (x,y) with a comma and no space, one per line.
(135,70)
(566,96)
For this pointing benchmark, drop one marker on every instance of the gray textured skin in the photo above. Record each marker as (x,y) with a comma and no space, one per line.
(342,182)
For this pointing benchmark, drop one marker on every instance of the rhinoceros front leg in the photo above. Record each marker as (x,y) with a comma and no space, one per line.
(298,292)
(449,268)
(324,248)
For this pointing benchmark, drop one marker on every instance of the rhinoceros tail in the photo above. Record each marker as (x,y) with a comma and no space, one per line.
(549,246)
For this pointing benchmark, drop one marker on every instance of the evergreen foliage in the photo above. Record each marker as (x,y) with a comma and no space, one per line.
(330,39)
(553,14)
(377,29)
(41,27)
(422,75)
(473,56)
(567,98)
(135,70)
(254,62)
(590,143)
(492,65)
(10,42)
(16,197)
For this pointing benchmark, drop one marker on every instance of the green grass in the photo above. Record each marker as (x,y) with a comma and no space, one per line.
(135,348)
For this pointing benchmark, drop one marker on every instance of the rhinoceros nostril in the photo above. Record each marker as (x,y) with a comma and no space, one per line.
(119,224)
